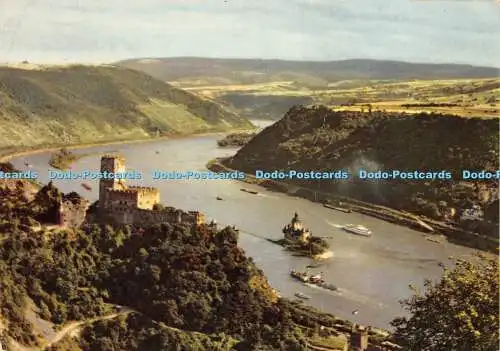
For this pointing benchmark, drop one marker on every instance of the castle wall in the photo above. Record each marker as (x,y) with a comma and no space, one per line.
(147,197)
(72,215)
(150,217)
(121,215)
(134,204)
(116,198)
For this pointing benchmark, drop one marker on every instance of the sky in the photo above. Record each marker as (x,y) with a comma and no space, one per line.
(59,31)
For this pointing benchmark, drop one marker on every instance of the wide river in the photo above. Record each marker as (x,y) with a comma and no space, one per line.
(371,273)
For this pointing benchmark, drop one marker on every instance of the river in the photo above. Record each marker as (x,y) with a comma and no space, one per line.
(372,273)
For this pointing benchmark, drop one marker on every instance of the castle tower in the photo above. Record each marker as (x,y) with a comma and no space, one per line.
(359,339)
(296,223)
(111,164)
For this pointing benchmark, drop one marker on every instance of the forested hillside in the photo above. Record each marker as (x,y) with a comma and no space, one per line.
(321,139)
(181,285)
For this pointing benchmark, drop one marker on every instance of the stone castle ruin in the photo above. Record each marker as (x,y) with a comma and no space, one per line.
(134,204)
(72,210)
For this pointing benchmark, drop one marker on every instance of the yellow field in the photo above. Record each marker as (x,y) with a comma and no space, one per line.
(470,97)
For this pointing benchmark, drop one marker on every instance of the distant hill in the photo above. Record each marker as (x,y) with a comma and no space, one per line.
(268,88)
(87,104)
(250,71)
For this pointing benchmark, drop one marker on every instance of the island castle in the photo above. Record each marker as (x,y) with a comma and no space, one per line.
(134,204)
(295,231)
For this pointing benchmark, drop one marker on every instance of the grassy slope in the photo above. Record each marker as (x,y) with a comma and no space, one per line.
(267,88)
(83,104)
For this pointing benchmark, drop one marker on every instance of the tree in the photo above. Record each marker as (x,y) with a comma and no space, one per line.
(460,312)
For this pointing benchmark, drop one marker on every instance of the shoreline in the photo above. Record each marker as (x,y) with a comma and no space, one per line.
(429,228)
(8,155)
(303,253)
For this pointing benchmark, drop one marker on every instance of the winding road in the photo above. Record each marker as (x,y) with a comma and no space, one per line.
(74,328)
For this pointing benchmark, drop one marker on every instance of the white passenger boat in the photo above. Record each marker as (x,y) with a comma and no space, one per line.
(358,230)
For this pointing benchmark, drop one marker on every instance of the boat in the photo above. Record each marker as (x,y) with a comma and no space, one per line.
(86,186)
(434,240)
(316,280)
(157,152)
(341,209)
(358,230)
(302,296)
(249,191)
(306,278)
(219,198)
(327,286)
(302,276)
(313,265)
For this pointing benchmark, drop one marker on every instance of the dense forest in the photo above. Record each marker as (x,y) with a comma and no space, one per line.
(183,287)
(321,139)
(182,284)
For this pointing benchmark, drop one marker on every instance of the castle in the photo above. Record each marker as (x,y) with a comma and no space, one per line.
(295,231)
(72,210)
(134,204)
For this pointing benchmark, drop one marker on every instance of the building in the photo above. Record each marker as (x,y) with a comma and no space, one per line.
(135,204)
(359,339)
(295,231)
(472,214)
(72,210)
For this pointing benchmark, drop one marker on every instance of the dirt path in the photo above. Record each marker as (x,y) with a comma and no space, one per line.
(74,327)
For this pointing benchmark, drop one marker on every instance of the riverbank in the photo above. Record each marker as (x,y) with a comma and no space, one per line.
(428,226)
(7,154)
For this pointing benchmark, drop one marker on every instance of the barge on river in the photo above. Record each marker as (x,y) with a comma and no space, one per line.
(341,209)
(316,280)
(249,191)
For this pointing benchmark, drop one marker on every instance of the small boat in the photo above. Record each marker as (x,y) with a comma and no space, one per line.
(434,240)
(302,276)
(86,186)
(358,230)
(219,198)
(341,209)
(327,286)
(249,191)
(313,265)
(316,279)
(302,296)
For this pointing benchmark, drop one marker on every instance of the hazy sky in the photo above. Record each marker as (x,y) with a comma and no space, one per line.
(462,31)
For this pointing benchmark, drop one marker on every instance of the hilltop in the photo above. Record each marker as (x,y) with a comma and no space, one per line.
(318,138)
(209,71)
(51,106)
(269,88)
